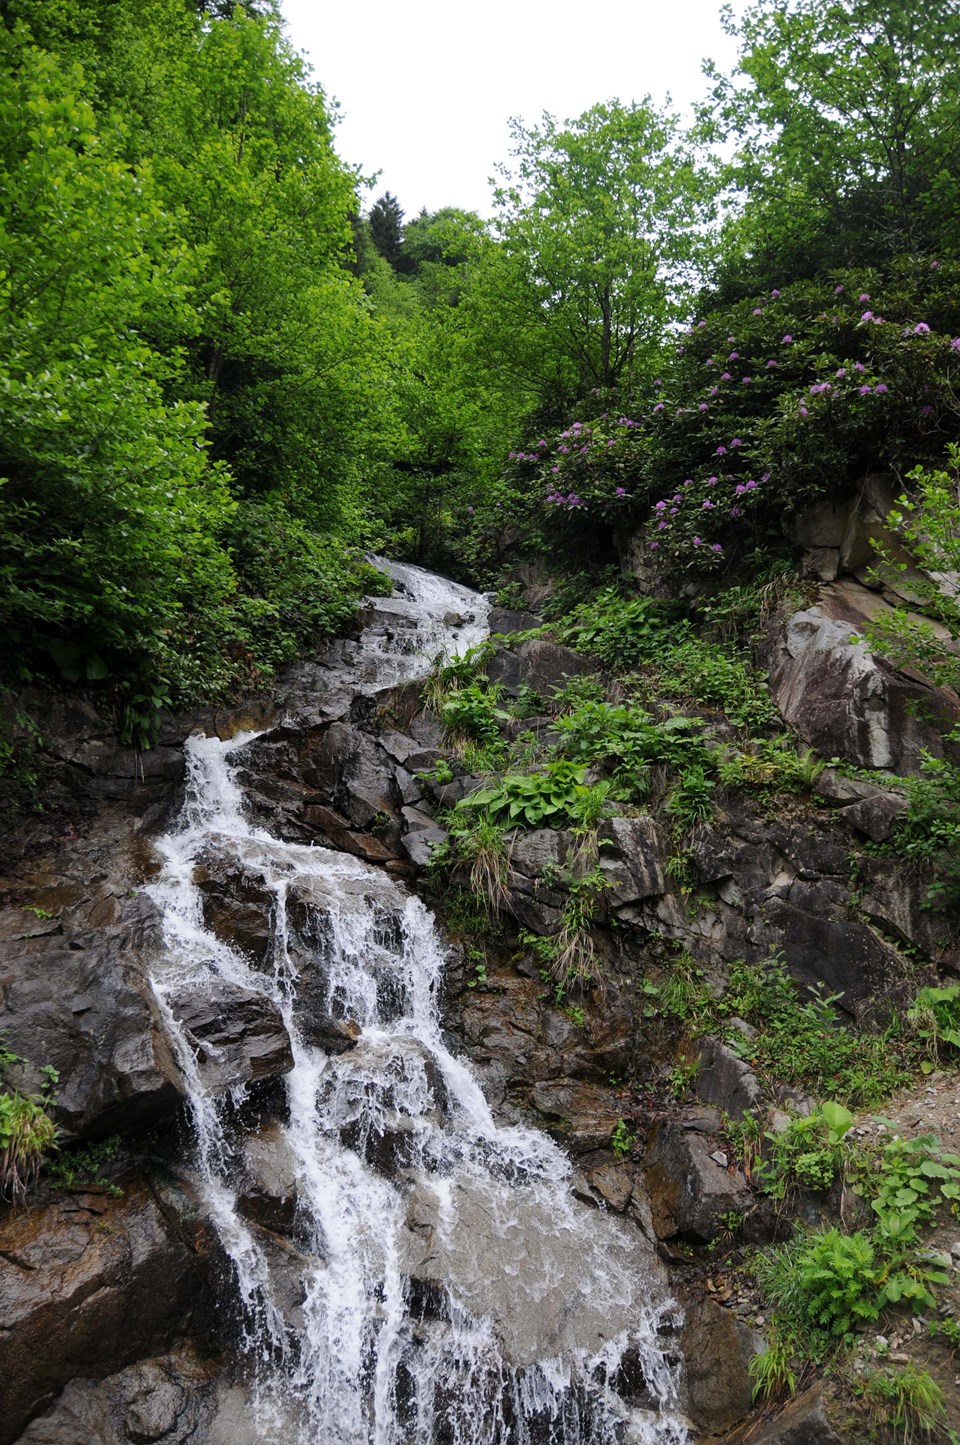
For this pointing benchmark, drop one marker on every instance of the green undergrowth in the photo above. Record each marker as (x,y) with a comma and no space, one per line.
(793,1036)
(27,1133)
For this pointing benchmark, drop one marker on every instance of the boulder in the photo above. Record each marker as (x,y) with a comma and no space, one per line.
(165,1398)
(848,702)
(725,1080)
(803,1421)
(582,1115)
(268,1190)
(78,1000)
(633,859)
(543,667)
(89,1284)
(237,904)
(876,816)
(238,1036)
(690,1192)
(716,1348)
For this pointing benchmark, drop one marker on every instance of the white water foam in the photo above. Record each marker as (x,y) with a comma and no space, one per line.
(450,1287)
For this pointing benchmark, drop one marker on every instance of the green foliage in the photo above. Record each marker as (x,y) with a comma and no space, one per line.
(768,404)
(771,1370)
(826,1287)
(27,1132)
(691,799)
(935,1019)
(907,1183)
(929,831)
(843,117)
(800,1041)
(622,632)
(596,227)
(471,712)
(764,767)
(627,741)
(478,840)
(622,1140)
(86,1165)
(807,1153)
(556,796)
(701,672)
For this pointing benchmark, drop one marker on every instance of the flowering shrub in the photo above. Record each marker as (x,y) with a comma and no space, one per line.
(768,405)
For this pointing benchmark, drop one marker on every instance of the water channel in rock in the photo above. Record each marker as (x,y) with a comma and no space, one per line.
(439,1283)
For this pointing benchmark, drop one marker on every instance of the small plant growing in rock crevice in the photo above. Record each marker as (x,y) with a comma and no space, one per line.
(27,1132)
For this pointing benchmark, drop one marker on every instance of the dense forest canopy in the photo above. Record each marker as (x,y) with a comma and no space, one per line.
(220,382)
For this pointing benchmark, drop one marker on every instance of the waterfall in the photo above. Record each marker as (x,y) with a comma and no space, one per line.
(440,1282)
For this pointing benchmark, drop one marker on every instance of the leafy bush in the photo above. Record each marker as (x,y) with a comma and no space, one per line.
(627,741)
(556,796)
(935,1018)
(622,632)
(807,1153)
(770,403)
(929,831)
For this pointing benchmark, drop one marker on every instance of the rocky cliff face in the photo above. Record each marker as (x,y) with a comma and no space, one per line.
(110,1327)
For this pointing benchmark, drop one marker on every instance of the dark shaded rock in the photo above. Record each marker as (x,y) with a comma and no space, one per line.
(419,846)
(614,1184)
(582,1115)
(69,1272)
(847,702)
(725,1080)
(541,666)
(895,897)
(507,620)
(238,1035)
(79,1001)
(160,1399)
(844,955)
(716,1348)
(689,1191)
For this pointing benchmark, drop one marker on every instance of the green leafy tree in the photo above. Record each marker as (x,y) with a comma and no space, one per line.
(847,117)
(597,223)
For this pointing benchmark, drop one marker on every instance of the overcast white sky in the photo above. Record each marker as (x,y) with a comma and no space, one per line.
(426,87)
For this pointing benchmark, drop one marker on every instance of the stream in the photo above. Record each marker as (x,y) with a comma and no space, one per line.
(440,1283)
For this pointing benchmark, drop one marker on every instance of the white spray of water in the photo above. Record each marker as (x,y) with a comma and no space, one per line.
(450,1286)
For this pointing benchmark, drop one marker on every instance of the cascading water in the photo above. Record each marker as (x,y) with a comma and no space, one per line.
(449,1286)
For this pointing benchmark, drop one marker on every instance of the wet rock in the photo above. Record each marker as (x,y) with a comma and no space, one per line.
(843,954)
(725,1080)
(506,620)
(268,1190)
(896,899)
(159,1399)
(689,1192)
(847,702)
(238,1035)
(79,1000)
(716,1349)
(237,905)
(471,1238)
(419,846)
(70,1273)
(614,1184)
(582,1115)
